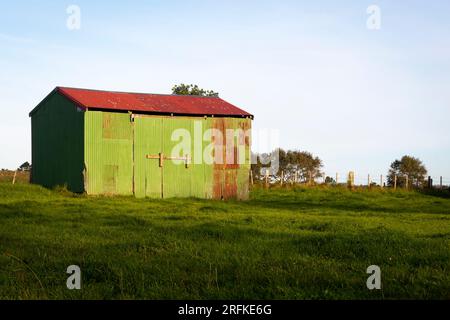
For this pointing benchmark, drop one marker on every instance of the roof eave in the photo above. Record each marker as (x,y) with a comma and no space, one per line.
(175,114)
(32,112)
(54,91)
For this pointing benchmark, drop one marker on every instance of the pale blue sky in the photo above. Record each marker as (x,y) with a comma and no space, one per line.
(358,98)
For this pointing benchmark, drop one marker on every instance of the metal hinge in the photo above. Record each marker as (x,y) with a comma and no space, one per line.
(162,158)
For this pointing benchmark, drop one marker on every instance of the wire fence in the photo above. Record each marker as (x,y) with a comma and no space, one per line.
(372,179)
(352,179)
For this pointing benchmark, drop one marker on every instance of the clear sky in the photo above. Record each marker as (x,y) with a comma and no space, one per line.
(313,70)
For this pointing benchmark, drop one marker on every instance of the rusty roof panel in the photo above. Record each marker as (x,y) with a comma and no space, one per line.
(152,103)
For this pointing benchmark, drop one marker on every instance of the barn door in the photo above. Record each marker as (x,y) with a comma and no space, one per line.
(158,171)
(177,167)
(147,172)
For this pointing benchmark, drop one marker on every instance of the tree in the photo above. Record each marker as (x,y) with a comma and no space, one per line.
(303,163)
(410,167)
(261,163)
(192,90)
(330,180)
(292,163)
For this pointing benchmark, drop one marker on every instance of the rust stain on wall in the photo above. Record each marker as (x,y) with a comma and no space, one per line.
(230,189)
(227,160)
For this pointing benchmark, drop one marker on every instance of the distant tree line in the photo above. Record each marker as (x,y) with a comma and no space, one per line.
(303,166)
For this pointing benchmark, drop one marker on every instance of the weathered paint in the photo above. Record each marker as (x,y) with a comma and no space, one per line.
(108,154)
(175,178)
(147,172)
(118,153)
(152,103)
(231,176)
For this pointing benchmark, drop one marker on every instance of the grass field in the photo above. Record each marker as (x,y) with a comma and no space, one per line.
(304,243)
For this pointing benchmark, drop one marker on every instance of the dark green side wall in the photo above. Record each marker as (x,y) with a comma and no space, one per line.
(58,144)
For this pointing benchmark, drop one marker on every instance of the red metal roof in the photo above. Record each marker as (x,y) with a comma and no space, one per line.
(152,103)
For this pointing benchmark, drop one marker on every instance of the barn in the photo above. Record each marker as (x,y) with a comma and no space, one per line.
(147,145)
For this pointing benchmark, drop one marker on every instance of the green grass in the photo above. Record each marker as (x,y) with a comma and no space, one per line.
(304,243)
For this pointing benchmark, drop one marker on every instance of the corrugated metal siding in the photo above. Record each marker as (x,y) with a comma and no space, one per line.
(148,141)
(208,169)
(153,135)
(57,144)
(108,153)
(231,179)
(243,174)
(176,176)
(203,188)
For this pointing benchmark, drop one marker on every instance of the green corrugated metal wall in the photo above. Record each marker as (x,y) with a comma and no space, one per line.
(148,141)
(57,144)
(176,177)
(106,153)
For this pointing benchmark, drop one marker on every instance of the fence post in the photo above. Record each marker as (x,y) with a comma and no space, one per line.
(282,178)
(381,181)
(310,178)
(14,179)
(395,182)
(368,180)
(337,178)
(251,177)
(351,179)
